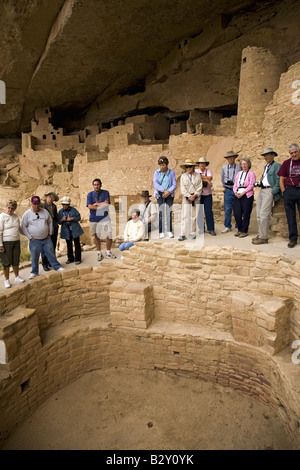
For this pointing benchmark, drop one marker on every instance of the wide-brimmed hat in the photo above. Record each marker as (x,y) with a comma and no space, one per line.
(231,153)
(269,150)
(65,200)
(202,160)
(188,162)
(52,193)
(145,194)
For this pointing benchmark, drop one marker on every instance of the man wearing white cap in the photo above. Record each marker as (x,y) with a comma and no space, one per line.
(268,195)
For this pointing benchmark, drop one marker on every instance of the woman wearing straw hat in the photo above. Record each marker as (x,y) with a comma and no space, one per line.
(68,218)
(206,197)
(191,189)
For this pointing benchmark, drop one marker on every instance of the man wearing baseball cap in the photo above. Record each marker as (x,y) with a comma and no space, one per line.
(37,226)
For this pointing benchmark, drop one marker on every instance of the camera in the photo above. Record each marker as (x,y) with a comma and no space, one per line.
(229,183)
(204,184)
(258,184)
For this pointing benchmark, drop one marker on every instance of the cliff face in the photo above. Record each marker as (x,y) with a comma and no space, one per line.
(99,61)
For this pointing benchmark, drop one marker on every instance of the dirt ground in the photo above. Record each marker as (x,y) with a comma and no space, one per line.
(134,410)
(148,410)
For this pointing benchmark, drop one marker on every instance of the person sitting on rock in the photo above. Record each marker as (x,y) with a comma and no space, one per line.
(134,231)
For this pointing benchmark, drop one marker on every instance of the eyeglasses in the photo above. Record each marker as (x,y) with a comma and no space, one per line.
(37,216)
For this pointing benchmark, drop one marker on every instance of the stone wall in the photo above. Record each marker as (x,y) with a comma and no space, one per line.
(214,314)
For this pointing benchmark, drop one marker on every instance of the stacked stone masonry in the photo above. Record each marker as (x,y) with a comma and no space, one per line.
(221,315)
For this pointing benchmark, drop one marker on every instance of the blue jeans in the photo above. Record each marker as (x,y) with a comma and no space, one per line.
(209,216)
(228,202)
(36,247)
(126,246)
(165,205)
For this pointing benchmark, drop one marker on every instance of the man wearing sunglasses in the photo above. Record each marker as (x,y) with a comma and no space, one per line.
(37,226)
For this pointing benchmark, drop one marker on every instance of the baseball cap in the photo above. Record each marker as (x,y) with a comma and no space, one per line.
(35,200)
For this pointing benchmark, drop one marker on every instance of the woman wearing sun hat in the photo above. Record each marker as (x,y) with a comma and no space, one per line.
(206,197)
(191,189)
(68,218)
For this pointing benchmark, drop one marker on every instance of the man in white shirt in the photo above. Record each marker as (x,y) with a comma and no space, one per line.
(37,227)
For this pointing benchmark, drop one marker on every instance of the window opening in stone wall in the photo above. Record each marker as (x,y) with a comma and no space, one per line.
(44,137)
(54,137)
(25,385)
(265,90)
(244,60)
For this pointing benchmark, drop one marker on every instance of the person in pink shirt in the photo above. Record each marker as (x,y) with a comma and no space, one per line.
(206,197)
(243,197)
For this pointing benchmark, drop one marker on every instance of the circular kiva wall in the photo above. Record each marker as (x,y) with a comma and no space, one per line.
(221,315)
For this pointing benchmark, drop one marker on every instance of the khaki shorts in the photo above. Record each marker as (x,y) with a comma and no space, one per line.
(11,255)
(97,228)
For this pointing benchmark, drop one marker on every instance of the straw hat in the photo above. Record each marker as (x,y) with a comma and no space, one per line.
(188,162)
(202,160)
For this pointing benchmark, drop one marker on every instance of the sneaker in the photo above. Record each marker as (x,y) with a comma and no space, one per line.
(237,234)
(68,261)
(60,270)
(259,241)
(192,236)
(46,268)
(7,283)
(77,262)
(110,255)
(243,235)
(100,257)
(212,232)
(122,257)
(161,235)
(170,234)
(226,229)
(181,238)
(32,275)
(19,279)
(292,243)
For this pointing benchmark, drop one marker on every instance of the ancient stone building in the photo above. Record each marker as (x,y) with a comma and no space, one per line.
(188,81)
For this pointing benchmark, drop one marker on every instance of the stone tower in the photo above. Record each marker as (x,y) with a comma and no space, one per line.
(259,79)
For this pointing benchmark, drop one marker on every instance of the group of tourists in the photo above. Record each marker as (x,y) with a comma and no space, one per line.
(40,224)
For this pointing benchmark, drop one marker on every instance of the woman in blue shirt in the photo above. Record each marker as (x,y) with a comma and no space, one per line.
(164,182)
